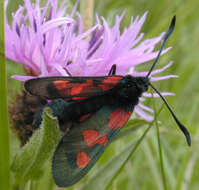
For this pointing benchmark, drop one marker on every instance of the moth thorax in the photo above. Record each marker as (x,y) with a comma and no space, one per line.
(142,84)
(130,89)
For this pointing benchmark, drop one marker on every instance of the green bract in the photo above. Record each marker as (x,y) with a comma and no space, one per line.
(31,159)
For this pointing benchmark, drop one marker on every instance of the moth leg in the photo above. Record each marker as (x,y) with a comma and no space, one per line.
(112,70)
(57,107)
(69,74)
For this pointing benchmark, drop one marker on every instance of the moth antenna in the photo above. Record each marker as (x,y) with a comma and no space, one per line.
(168,33)
(180,125)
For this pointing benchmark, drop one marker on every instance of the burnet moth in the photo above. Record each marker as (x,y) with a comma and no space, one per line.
(97,107)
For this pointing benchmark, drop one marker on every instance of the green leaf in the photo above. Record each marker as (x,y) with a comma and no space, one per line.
(30,160)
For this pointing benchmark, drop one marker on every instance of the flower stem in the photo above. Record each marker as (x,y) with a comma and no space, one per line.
(87,7)
(4,135)
(160,148)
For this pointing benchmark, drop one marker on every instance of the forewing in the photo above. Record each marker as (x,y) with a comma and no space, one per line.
(85,142)
(70,88)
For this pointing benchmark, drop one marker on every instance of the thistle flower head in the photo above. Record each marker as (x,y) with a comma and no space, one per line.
(48,41)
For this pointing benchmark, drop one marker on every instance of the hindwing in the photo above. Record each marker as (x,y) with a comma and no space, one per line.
(85,142)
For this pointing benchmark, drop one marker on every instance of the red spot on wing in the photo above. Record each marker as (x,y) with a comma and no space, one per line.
(103,140)
(64,87)
(82,159)
(104,87)
(112,79)
(79,98)
(92,137)
(60,84)
(68,88)
(84,117)
(109,82)
(80,88)
(118,118)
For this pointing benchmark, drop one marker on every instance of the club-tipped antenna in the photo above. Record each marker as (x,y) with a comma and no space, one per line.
(180,125)
(168,33)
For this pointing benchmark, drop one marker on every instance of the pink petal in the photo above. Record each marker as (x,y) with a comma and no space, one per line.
(143,114)
(49,25)
(156,95)
(163,78)
(23,78)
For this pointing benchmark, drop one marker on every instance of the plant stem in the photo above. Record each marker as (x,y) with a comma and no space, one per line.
(4,132)
(87,7)
(160,149)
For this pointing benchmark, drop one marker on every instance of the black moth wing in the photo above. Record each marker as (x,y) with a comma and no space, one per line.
(85,142)
(70,88)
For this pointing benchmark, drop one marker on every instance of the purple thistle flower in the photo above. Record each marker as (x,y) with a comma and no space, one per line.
(50,43)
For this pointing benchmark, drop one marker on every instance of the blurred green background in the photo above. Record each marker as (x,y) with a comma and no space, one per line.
(143,170)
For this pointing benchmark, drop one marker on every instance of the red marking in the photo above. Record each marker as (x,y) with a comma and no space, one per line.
(84,117)
(92,138)
(104,87)
(67,88)
(79,98)
(103,140)
(112,79)
(61,84)
(78,89)
(118,119)
(109,82)
(82,159)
